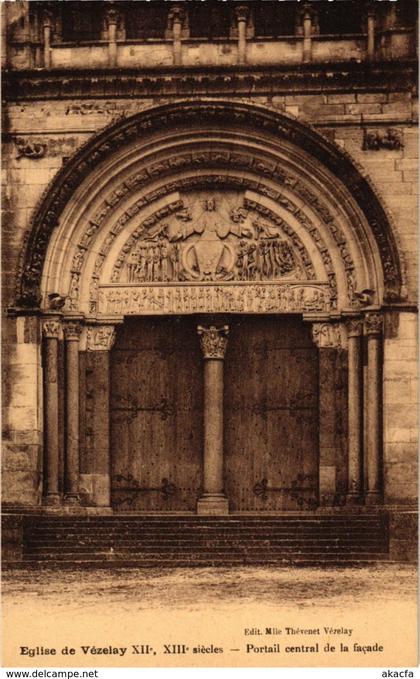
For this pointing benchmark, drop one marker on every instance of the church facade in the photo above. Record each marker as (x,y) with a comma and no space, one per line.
(210,260)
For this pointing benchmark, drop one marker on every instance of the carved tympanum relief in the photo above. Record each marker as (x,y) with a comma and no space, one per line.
(215,237)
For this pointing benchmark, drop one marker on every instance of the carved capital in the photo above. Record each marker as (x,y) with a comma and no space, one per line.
(51,329)
(374,324)
(72,331)
(327,335)
(100,337)
(47,18)
(176,14)
(112,16)
(213,341)
(241,13)
(370,10)
(355,327)
(307,11)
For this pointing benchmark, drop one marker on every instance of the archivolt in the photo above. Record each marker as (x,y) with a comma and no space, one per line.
(134,167)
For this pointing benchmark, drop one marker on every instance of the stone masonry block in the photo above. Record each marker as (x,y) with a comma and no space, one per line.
(23,437)
(20,418)
(21,487)
(406,164)
(399,96)
(372,98)
(399,415)
(21,457)
(403,536)
(397,391)
(358,109)
(401,474)
(411,176)
(396,350)
(399,369)
(341,98)
(400,452)
(400,108)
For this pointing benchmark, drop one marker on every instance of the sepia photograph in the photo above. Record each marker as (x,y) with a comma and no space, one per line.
(209,334)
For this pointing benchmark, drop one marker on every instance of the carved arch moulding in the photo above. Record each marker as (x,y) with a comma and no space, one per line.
(199,207)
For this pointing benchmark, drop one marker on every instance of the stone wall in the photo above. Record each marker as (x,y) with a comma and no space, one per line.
(43,134)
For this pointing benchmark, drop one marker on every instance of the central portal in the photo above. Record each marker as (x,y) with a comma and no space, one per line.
(270,423)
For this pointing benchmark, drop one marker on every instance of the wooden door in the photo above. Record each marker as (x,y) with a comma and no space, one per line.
(156,415)
(271,415)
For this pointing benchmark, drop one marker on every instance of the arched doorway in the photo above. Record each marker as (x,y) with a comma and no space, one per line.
(216,210)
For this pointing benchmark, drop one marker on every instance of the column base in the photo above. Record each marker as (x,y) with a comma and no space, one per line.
(213,505)
(72,500)
(373,497)
(52,500)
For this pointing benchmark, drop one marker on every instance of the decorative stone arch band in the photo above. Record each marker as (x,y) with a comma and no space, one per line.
(277,142)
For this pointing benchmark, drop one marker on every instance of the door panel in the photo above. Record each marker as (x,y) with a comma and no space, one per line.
(156,415)
(271,415)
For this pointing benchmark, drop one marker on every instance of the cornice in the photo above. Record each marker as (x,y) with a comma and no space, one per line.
(326,78)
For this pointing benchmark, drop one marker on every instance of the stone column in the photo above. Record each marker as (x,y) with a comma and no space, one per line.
(370,32)
(355,410)
(99,342)
(112,21)
(47,27)
(51,332)
(242,13)
(213,343)
(177,18)
(329,337)
(72,467)
(373,331)
(307,34)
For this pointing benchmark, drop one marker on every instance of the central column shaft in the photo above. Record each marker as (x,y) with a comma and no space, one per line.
(213,426)
(213,344)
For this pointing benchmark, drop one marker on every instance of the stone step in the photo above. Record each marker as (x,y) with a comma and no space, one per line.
(163,563)
(192,540)
(205,525)
(198,539)
(159,557)
(205,529)
(189,542)
(164,549)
